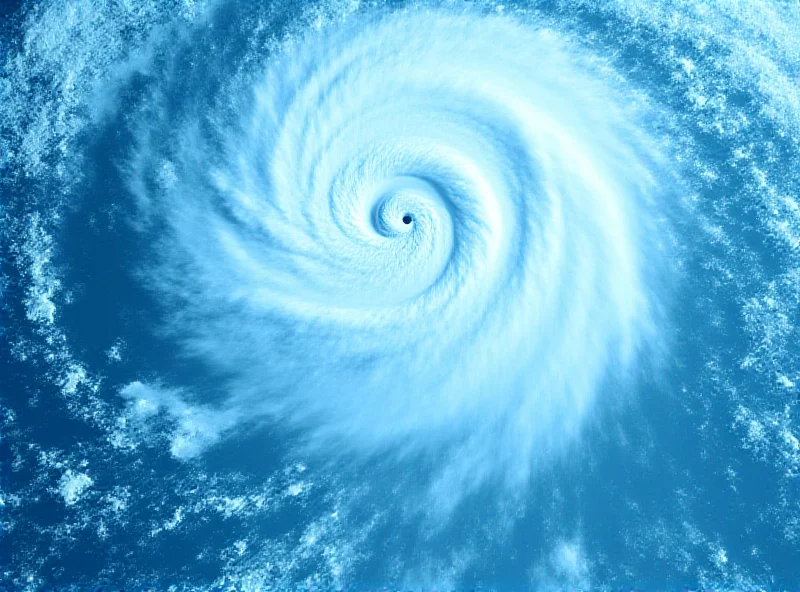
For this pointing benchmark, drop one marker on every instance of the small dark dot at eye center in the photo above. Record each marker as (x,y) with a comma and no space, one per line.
(407,219)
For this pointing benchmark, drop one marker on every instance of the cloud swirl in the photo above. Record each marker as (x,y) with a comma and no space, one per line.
(421,234)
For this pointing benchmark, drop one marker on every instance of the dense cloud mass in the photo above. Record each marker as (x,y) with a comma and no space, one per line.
(449,253)
(413,295)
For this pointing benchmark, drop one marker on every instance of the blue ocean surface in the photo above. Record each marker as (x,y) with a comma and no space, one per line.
(388,295)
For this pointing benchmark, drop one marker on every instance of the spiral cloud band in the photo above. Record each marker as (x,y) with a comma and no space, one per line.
(420,233)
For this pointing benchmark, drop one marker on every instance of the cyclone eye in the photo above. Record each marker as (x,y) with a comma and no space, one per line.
(407,219)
